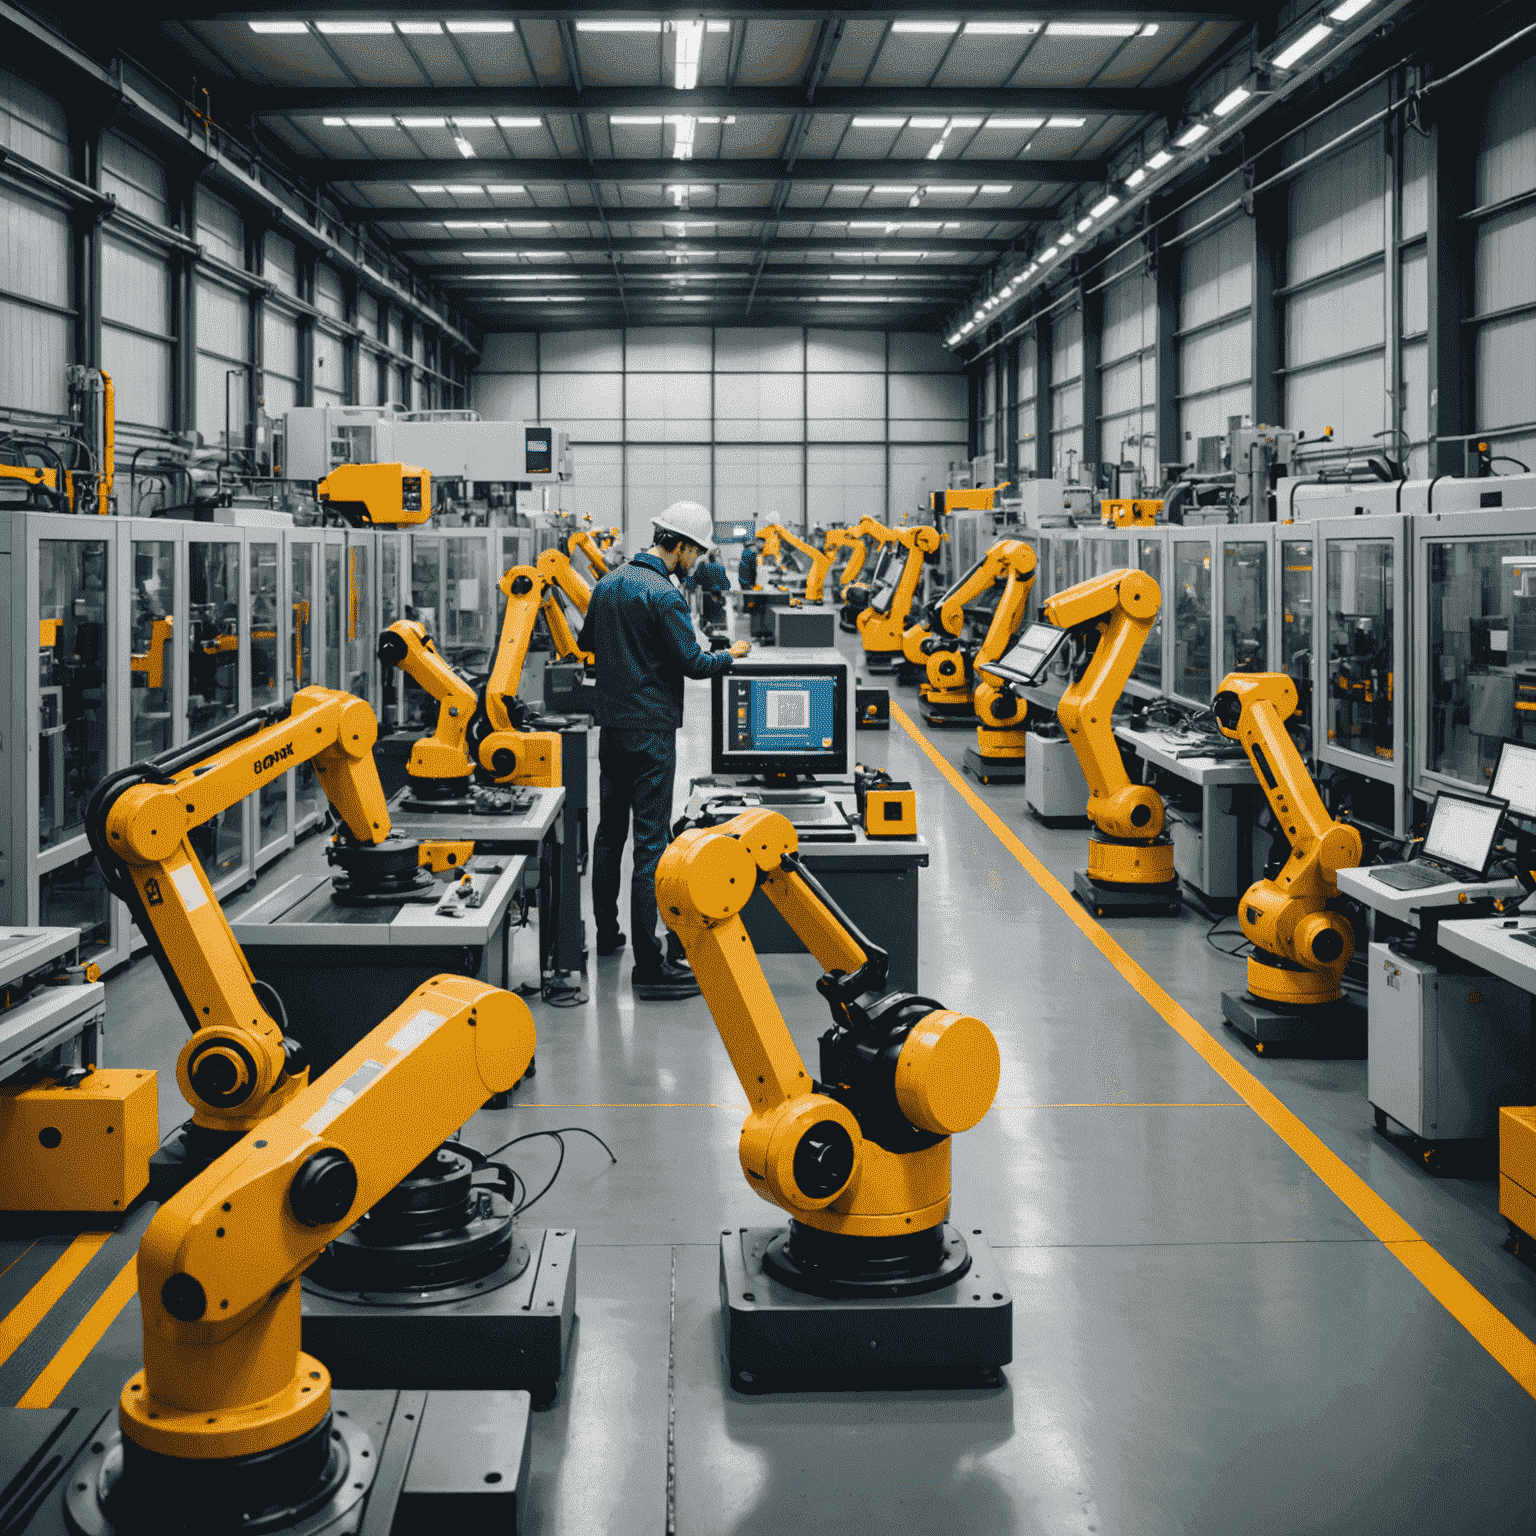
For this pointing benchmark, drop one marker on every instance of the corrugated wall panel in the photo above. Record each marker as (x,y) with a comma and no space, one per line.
(330,295)
(368,313)
(34,350)
(135,178)
(281,264)
(668,408)
(1128,379)
(1028,388)
(844,484)
(136,339)
(1216,290)
(34,341)
(330,366)
(32,124)
(219,228)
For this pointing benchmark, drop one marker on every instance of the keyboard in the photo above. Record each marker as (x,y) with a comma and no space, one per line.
(1416,875)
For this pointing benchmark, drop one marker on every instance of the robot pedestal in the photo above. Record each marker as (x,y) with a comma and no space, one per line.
(1340,1026)
(779,1338)
(962,716)
(1106,900)
(994,770)
(881,661)
(479,1334)
(406,1463)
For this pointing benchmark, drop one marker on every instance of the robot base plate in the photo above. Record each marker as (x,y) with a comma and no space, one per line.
(1105,900)
(513,1336)
(435,1461)
(778,1339)
(994,770)
(1337,1028)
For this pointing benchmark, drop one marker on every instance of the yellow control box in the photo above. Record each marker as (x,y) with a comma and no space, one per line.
(378,495)
(78,1149)
(890,810)
(1517,1167)
(1129,514)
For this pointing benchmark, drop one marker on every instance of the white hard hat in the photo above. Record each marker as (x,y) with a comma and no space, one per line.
(690,520)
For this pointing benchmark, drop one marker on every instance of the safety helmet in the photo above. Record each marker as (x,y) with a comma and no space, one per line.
(690,520)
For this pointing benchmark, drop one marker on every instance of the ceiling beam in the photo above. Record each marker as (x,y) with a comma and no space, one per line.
(737,101)
(592,277)
(920,218)
(707,173)
(669,245)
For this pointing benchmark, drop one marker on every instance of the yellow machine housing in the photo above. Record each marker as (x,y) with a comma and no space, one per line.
(965,499)
(887,807)
(150,665)
(881,629)
(224,1377)
(821,559)
(378,495)
(1113,613)
(1517,1173)
(1301,946)
(1129,514)
(80,1147)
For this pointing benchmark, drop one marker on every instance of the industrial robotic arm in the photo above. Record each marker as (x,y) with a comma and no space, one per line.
(1301,947)
(237,1068)
(858,1154)
(562,581)
(592,547)
(821,560)
(439,766)
(1112,614)
(503,748)
(228,1414)
(882,627)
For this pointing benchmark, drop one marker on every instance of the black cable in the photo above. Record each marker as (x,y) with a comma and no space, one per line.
(1215,931)
(280,1013)
(559,1136)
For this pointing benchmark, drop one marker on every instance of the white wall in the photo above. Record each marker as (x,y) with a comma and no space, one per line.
(809,426)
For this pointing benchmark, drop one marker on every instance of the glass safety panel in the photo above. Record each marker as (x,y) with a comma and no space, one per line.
(75,896)
(470,608)
(267,681)
(389,612)
(362,635)
(1191,619)
(72,674)
(151,650)
(333,611)
(1066,563)
(1296,632)
(426,595)
(1245,607)
(1361,604)
(1149,665)
(213,681)
(1482,654)
(308,798)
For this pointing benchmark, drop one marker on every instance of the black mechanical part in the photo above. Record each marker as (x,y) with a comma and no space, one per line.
(834,1264)
(215,1073)
(184,1298)
(434,1231)
(324,1188)
(823,1161)
(376,873)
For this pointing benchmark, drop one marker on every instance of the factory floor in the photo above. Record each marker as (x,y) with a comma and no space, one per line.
(1236,1308)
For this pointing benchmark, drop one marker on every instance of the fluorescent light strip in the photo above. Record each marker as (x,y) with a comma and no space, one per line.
(1049,253)
(1092,28)
(1235,98)
(423,122)
(1001,28)
(1192,135)
(1349,10)
(636,122)
(280,28)
(496,224)
(474,122)
(996,189)
(926,122)
(370,122)
(934,28)
(355,28)
(426,188)
(1302,46)
(334,122)
(934,191)
(1067,237)
(1015,122)
(894,191)
(1103,206)
(465,188)
(879,122)
(1159,160)
(717,26)
(420,28)
(463,146)
(1083,225)
(689,46)
(1136,177)
(652,27)
(519,122)
(539,298)
(502,27)
(1065,122)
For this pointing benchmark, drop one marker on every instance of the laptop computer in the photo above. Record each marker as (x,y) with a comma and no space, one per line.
(1458,844)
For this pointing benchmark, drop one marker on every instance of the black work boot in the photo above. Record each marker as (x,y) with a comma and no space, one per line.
(664,983)
(610,944)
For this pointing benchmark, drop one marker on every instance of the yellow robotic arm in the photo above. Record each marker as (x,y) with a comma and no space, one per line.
(502,747)
(593,548)
(562,581)
(237,1069)
(946,617)
(862,1150)
(226,1395)
(151,662)
(951,669)
(439,763)
(882,628)
(1302,947)
(821,560)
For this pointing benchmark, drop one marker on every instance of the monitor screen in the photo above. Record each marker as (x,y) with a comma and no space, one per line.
(1462,830)
(1026,660)
(881,595)
(781,718)
(1514,779)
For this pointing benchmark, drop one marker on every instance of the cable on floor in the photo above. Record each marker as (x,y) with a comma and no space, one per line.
(559,1136)
(1216,931)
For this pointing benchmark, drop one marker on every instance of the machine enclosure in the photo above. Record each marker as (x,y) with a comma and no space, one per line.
(1054,786)
(1446,1049)
(890,811)
(872,709)
(1517,1167)
(108,1127)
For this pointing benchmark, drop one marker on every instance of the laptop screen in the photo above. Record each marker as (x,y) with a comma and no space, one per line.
(1462,830)
(1515,779)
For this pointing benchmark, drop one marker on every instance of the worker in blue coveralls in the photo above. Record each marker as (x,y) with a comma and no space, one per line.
(639,628)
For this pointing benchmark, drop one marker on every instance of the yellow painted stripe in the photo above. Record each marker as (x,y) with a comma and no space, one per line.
(1506,1343)
(19,1322)
(71,1356)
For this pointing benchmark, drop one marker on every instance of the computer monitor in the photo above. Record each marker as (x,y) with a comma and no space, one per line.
(782,719)
(1027,660)
(1514,778)
(1463,830)
(881,595)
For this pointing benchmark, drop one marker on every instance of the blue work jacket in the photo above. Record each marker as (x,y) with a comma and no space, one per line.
(639,629)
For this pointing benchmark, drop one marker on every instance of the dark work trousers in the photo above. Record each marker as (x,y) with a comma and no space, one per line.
(635,770)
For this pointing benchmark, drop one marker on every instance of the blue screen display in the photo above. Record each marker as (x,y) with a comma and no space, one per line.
(780,714)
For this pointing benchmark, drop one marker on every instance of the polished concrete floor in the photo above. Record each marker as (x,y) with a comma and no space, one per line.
(1206,1340)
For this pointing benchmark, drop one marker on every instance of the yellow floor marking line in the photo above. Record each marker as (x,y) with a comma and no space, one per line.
(19,1322)
(1501,1338)
(71,1356)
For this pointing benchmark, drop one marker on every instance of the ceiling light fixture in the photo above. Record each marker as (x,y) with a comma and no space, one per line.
(1001,28)
(1103,205)
(689,46)
(464,188)
(1065,122)
(636,122)
(1067,237)
(426,187)
(717,26)
(956,191)
(519,122)
(996,188)
(1302,46)
(1048,253)
(1136,177)
(927,122)
(933,28)
(423,122)
(1084,225)
(1015,122)
(894,191)
(1232,101)
(355,28)
(502,27)
(420,28)
(1192,135)
(618,26)
(463,146)
(474,122)
(1092,29)
(879,122)
(334,122)
(505,189)
(1159,160)
(1349,10)
(682,144)
(280,28)
(370,122)
(1150,30)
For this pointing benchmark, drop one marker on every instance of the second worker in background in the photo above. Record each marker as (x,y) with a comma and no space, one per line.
(639,628)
